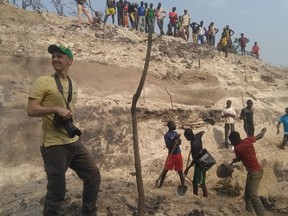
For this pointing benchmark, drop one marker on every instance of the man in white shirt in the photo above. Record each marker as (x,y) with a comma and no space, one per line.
(228,113)
(201,33)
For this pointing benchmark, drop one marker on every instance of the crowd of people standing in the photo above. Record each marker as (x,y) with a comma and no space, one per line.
(143,16)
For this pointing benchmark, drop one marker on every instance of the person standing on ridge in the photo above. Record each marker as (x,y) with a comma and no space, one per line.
(247,115)
(242,42)
(195,30)
(184,29)
(141,11)
(245,152)
(160,14)
(111,9)
(53,99)
(82,9)
(173,21)
(174,159)
(212,31)
(229,32)
(120,12)
(255,50)
(201,33)
(151,17)
(283,119)
(228,113)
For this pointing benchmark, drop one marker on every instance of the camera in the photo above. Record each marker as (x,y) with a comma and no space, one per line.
(68,125)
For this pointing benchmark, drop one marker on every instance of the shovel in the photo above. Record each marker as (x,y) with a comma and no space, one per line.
(181,190)
(224,171)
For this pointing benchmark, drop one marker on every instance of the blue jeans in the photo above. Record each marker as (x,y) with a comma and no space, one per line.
(201,38)
(251,193)
(57,159)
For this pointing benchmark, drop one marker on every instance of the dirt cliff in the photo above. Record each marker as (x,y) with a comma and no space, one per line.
(185,83)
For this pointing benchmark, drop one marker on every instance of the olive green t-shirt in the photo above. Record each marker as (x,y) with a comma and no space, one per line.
(45,89)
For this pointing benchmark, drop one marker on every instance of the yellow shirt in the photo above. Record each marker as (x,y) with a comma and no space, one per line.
(45,89)
(224,41)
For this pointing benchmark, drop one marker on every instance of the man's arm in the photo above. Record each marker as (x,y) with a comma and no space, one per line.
(235,160)
(187,169)
(242,114)
(35,109)
(200,134)
(278,127)
(261,134)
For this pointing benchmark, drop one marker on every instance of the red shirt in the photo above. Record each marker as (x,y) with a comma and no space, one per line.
(246,152)
(174,17)
(255,49)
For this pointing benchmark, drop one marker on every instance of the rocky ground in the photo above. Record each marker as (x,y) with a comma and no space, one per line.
(185,83)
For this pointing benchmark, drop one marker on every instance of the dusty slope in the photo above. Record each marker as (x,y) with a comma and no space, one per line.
(108,66)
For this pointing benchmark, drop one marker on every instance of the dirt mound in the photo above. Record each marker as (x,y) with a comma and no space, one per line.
(185,83)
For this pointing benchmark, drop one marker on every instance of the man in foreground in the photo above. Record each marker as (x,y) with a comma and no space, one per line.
(53,98)
(245,152)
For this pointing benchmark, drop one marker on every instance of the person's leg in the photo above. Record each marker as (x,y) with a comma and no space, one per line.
(204,190)
(113,20)
(195,187)
(56,161)
(85,167)
(195,35)
(175,29)
(187,33)
(232,127)
(245,128)
(255,179)
(169,31)
(247,198)
(163,176)
(250,130)
(178,164)
(227,128)
(213,40)
(80,12)
(202,39)
(153,24)
(118,19)
(161,26)
(284,142)
(182,179)
(142,23)
(88,14)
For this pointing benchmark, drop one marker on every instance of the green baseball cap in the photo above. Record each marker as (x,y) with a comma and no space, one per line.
(61,48)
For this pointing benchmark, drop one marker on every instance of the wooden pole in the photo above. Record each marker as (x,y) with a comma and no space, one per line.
(140,187)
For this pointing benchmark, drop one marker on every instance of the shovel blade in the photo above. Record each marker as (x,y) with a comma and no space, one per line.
(181,190)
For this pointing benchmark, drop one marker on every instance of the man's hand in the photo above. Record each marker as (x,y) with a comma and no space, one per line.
(264,130)
(186,171)
(64,113)
(235,160)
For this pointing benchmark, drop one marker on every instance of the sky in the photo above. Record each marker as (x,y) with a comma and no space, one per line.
(264,21)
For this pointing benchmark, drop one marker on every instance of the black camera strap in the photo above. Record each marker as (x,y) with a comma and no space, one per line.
(60,89)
